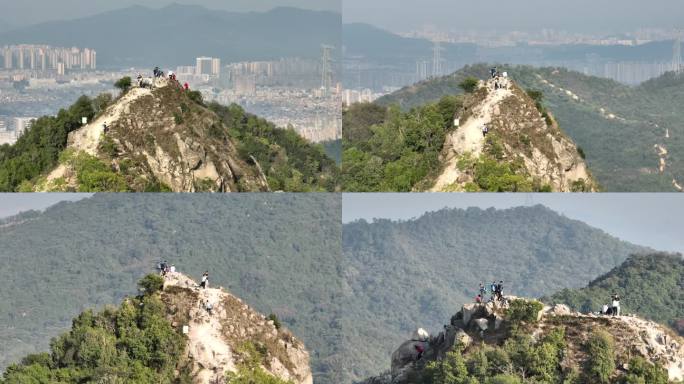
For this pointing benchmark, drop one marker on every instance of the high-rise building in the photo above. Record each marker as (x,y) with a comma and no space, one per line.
(204,66)
(215,67)
(437,59)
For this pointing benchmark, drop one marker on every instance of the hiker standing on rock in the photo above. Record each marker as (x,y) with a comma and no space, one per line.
(483,290)
(616,304)
(105,129)
(485,130)
(205,280)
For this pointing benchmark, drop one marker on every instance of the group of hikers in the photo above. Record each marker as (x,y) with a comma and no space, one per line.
(498,77)
(165,269)
(614,308)
(159,74)
(496,290)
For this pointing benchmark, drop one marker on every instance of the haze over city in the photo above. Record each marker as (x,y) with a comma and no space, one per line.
(585,16)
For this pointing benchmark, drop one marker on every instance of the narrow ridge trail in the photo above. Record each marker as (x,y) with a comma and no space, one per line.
(468,137)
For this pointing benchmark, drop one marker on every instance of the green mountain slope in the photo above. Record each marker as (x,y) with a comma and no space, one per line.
(278,252)
(620,149)
(649,285)
(183,146)
(416,273)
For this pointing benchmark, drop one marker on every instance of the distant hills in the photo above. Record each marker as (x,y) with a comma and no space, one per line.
(401,275)
(377,44)
(177,34)
(621,129)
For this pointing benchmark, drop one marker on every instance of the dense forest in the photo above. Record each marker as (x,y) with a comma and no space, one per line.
(290,162)
(134,343)
(417,273)
(619,151)
(278,252)
(649,285)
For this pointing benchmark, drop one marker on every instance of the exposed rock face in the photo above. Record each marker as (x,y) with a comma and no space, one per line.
(215,339)
(478,323)
(522,134)
(163,135)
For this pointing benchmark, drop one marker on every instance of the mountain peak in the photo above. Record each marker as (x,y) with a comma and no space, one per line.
(499,122)
(215,338)
(501,329)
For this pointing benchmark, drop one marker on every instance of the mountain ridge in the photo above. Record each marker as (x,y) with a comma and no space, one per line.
(153,36)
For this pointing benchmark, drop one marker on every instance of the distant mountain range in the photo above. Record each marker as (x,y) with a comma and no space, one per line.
(177,34)
(374,43)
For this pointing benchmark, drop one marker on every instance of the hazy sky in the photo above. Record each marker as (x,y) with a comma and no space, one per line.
(13,203)
(655,220)
(35,11)
(574,15)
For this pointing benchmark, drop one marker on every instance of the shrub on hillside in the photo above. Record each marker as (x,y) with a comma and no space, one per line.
(124,84)
(469,84)
(523,311)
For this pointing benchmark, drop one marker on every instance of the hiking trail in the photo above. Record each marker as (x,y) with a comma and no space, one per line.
(468,137)
(660,148)
(214,341)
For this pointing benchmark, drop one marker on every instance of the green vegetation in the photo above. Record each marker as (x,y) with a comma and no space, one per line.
(521,359)
(618,151)
(92,174)
(397,150)
(280,253)
(124,84)
(469,84)
(37,150)
(520,311)
(290,162)
(420,271)
(249,370)
(601,348)
(133,344)
(650,285)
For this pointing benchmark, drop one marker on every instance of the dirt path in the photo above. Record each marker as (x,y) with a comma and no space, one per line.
(212,356)
(87,138)
(468,137)
(662,150)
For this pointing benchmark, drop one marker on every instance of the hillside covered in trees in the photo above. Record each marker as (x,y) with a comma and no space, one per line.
(144,340)
(278,252)
(649,285)
(416,273)
(623,131)
(162,140)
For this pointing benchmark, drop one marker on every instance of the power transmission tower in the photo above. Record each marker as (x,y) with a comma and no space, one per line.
(677,54)
(437,59)
(327,72)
